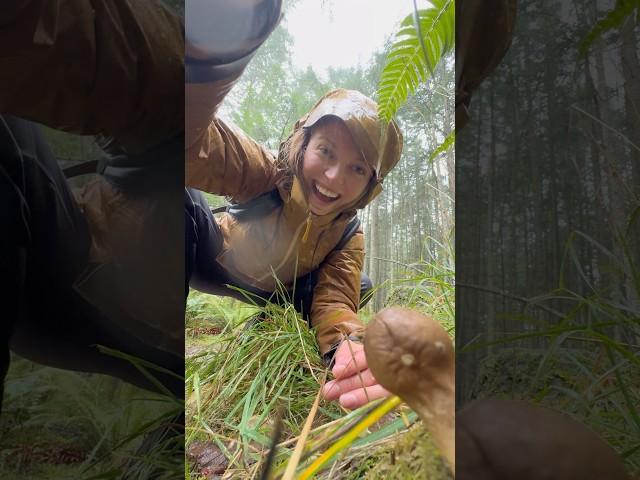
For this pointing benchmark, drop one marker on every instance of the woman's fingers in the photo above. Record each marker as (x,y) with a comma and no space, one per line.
(349,359)
(361,396)
(335,388)
(354,384)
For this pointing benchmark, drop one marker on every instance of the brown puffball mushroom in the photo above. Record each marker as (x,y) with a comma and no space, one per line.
(515,439)
(411,355)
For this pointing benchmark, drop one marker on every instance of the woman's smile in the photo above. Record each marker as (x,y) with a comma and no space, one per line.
(324,194)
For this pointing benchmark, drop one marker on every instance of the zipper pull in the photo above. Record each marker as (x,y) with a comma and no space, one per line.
(305,236)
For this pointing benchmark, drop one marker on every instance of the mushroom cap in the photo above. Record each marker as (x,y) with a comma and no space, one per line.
(409,353)
(516,439)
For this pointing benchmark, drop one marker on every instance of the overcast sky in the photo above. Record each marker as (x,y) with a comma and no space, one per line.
(341,33)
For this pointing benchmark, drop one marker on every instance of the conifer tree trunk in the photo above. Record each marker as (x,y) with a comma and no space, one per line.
(374,254)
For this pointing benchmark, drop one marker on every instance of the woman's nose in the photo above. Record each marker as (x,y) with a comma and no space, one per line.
(332,172)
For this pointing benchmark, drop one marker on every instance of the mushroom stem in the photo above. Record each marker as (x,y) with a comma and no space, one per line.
(411,355)
(438,416)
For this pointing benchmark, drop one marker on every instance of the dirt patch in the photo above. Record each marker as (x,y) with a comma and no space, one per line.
(207,459)
(54,455)
(197,331)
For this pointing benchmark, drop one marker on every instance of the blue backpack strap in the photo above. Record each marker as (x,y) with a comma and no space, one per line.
(220,209)
(158,162)
(267,202)
(349,231)
(81,169)
(125,170)
(257,207)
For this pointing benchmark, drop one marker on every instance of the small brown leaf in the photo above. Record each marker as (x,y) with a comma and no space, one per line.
(207,458)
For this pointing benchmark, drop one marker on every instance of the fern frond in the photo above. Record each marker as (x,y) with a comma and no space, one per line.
(444,146)
(613,19)
(408,64)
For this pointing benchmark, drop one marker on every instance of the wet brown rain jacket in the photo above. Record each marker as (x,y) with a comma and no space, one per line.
(290,241)
(100,66)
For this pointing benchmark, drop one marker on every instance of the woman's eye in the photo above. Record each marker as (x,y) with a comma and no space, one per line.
(359,170)
(326,152)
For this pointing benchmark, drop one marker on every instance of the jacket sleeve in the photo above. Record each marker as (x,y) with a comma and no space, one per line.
(112,67)
(337,295)
(220,158)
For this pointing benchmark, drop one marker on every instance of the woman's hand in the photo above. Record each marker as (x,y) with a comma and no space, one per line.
(354,384)
(226,30)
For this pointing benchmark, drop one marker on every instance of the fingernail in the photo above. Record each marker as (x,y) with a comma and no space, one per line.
(348,400)
(338,369)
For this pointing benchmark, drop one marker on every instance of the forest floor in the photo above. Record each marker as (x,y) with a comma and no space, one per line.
(59,424)
(239,379)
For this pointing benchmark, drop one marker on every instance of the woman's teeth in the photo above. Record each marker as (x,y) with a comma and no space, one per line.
(327,193)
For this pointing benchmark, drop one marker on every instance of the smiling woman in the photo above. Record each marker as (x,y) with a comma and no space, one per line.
(297,208)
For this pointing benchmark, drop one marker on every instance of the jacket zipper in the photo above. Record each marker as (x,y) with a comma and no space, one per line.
(305,236)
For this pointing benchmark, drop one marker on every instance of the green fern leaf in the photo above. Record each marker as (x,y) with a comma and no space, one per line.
(408,64)
(613,19)
(444,146)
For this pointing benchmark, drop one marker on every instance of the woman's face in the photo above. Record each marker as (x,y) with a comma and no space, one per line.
(334,172)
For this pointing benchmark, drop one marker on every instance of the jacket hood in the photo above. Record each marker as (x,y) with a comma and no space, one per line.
(381,147)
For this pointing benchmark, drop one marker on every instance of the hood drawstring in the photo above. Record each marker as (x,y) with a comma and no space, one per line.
(305,235)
